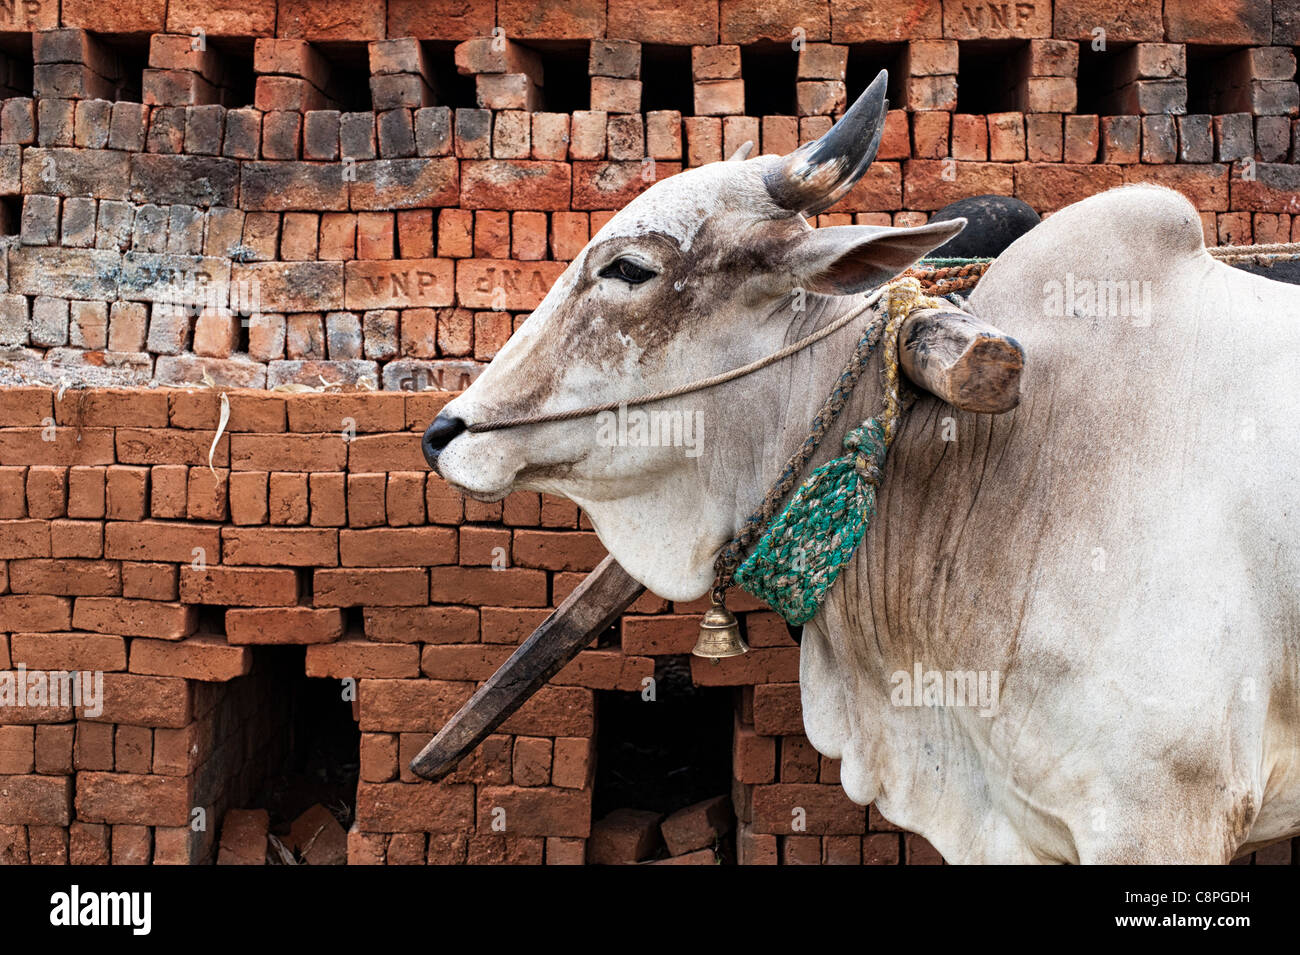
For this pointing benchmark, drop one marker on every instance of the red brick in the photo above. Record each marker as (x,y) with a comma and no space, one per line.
(753,756)
(287,500)
(386,452)
(363,658)
(404,499)
(1227,22)
(243,837)
(518,184)
(403,807)
(455,233)
(135,618)
(328,499)
(557,550)
(624,837)
(36,612)
(535,811)
(424,546)
(555,711)
(201,657)
(825,809)
(48,845)
(133,749)
(134,798)
(17,749)
(698,826)
(54,748)
(284,625)
(94,746)
(927,187)
(238,586)
(679,23)
(71,446)
(611,185)
(367,499)
(777,709)
(970,137)
(381,587)
(68,651)
(36,800)
(1051,186)
(280,546)
(573,762)
(65,577)
(26,406)
(159,446)
(484,587)
(161,541)
(144,701)
(1205,185)
(288,452)
(421,624)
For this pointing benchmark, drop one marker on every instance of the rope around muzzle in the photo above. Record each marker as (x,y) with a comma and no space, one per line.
(690,388)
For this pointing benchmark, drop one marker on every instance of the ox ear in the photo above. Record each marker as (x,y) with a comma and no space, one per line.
(842,260)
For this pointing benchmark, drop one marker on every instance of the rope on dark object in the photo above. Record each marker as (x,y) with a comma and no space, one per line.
(941,276)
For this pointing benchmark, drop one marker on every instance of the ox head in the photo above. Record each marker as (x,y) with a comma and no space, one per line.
(703,272)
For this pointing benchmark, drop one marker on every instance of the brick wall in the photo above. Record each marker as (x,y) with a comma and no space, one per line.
(377,197)
(122,552)
(365,199)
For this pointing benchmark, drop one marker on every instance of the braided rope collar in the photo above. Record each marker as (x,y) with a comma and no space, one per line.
(803,549)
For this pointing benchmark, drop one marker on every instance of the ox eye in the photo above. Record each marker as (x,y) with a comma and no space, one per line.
(627,270)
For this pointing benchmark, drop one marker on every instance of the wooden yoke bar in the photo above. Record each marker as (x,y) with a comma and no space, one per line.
(961,359)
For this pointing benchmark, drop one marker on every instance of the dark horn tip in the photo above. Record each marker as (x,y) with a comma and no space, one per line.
(818,174)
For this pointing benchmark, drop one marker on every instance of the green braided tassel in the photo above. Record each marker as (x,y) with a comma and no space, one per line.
(819,530)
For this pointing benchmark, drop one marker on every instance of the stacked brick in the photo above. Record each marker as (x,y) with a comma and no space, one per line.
(317,525)
(370,206)
(302,239)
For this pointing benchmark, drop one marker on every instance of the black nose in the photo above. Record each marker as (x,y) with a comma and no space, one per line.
(439,435)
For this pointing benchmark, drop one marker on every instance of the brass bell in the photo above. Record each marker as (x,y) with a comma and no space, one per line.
(719,634)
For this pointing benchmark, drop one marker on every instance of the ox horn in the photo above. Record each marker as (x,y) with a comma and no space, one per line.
(741,154)
(584,615)
(817,175)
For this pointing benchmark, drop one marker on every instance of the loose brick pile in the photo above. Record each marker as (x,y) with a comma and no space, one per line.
(369,197)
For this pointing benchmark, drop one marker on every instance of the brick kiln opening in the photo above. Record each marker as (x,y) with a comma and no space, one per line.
(989,74)
(1098,79)
(11,215)
(238,78)
(769,71)
(348,85)
(865,60)
(672,87)
(661,763)
(128,59)
(565,84)
(297,803)
(452,88)
(16,65)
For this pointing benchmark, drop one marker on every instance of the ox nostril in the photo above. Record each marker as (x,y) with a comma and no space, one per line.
(439,435)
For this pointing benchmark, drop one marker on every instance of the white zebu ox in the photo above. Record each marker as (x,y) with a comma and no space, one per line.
(1123,549)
